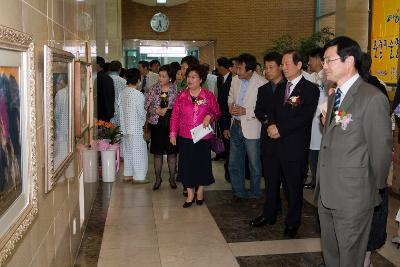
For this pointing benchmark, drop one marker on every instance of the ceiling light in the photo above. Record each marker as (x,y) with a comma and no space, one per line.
(161,1)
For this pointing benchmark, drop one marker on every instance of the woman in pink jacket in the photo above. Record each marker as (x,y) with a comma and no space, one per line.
(194,106)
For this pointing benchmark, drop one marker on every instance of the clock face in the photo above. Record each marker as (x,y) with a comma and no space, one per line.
(159,22)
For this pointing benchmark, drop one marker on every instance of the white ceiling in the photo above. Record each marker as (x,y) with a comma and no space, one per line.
(154,2)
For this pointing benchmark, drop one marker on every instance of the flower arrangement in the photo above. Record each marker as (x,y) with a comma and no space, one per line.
(108,130)
(294,101)
(163,100)
(200,101)
(343,118)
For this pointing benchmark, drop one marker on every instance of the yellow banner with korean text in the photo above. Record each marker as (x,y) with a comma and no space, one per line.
(385,39)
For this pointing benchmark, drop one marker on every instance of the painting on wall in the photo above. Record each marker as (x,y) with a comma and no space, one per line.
(82,90)
(58,107)
(18,159)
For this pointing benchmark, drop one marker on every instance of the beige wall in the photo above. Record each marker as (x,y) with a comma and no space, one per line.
(206,55)
(237,26)
(352,20)
(49,241)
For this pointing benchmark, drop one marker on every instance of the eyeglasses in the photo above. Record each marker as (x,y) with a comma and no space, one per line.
(328,60)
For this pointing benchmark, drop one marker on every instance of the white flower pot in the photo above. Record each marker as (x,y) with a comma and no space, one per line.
(108,165)
(90,166)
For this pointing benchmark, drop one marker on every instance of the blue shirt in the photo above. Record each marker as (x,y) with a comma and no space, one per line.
(242,94)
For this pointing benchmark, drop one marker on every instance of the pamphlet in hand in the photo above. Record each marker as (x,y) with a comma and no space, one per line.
(199,132)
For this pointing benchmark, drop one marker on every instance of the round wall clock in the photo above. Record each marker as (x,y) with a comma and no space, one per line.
(159,22)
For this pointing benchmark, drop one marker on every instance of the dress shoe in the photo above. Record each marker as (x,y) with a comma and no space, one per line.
(322,264)
(236,200)
(172,183)
(309,186)
(157,184)
(199,202)
(187,204)
(290,232)
(261,220)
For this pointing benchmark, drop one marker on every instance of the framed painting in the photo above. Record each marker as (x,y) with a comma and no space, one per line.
(58,112)
(82,90)
(18,158)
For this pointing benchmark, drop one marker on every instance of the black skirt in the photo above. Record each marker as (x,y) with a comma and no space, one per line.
(160,144)
(194,163)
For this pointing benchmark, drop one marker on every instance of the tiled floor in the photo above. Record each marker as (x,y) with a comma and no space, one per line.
(150,228)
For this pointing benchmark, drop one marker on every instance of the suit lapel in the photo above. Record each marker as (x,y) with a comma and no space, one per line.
(347,101)
(250,87)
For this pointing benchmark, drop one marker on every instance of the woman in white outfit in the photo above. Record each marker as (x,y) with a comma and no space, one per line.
(132,119)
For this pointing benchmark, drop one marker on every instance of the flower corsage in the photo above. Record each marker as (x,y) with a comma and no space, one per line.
(294,101)
(200,101)
(342,118)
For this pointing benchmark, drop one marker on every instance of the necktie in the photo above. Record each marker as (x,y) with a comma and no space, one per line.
(287,92)
(336,105)
(144,84)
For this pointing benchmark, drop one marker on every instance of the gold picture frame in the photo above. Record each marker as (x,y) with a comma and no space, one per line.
(82,97)
(58,112)
(18,144)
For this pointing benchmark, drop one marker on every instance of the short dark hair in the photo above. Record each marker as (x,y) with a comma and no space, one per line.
(154,61)
(249,60)
(366,62)
(171,72)
(115,65)
(144,64)
(316,52)
(122,73)
(273,56)
(190,60)
(200,70)
(106,66)
(224,62)
(100,61)
(296,56)
(132,76)
(346,47)
(175,65)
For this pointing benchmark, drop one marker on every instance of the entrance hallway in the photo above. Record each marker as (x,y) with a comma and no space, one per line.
(150,228)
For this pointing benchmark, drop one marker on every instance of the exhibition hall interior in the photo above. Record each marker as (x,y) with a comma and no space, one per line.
(207,133)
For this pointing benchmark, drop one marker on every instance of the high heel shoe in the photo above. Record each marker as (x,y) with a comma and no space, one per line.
(188,204)
(157,184)
(396,241)
(172,183)
(199,202)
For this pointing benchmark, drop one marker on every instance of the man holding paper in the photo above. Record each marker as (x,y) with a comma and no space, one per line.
(194,106)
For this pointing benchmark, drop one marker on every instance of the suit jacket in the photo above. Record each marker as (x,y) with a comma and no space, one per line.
(293,122)
(250,125)
(223,93)
(354,163)
(264,107)
(105,96)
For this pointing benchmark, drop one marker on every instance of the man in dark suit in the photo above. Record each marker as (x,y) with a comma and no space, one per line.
(105,92)
(224,84)
(354,159)
(288,126)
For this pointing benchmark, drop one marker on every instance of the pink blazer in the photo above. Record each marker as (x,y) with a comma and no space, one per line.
(186,115)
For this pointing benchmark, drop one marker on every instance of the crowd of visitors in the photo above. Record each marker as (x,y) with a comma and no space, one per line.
(328,115)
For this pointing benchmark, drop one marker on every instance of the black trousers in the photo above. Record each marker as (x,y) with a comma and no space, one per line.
(291,174)
(226,164)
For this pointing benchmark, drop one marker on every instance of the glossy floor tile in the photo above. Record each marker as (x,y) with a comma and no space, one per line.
(142,227)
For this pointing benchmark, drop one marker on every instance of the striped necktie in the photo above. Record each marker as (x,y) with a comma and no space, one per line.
(287,92)
(338,96)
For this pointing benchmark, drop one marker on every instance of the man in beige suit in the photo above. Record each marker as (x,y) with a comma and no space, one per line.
(245,128)
(354,158)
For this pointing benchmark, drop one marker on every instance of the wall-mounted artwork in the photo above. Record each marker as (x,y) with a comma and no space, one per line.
(82,90)
(18,159)
(58,111)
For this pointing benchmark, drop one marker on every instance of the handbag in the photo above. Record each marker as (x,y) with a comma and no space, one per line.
(217,144)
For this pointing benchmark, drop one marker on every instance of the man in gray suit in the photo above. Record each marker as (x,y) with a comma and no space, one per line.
(354,158)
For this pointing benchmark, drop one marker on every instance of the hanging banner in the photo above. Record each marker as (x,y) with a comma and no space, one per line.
(385,39)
